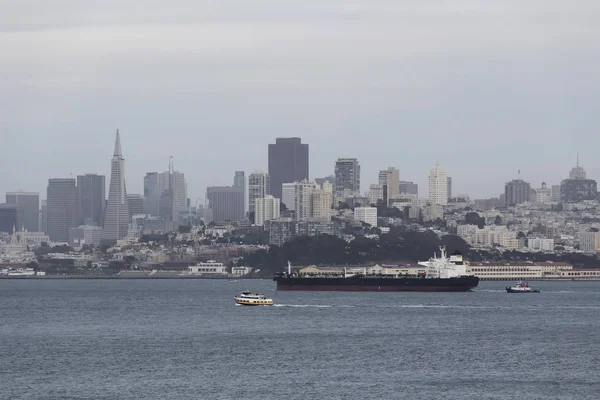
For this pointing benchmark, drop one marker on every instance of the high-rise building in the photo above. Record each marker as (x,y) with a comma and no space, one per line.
(516,192)
(366,214)
(321,202)
(543,195)
(389,180)
(577,172)
(135,204)
(288,162)
(172,189)
(375,194)
(91,192)
(347,177)
(259,186)
(117,217)
(589,241)
(9,218)
(409,188)
(151,194)
(303,204)
(226,203)
(288,195)
(61,208)
(449,179)
(438,186)
(239,181)
(556,193)
(267,209)
(577,190)
(29,208)
(44,216)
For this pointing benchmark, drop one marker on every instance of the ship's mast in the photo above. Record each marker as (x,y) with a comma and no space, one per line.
(289,268)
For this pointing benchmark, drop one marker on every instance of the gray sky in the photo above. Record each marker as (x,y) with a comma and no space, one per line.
(485,88)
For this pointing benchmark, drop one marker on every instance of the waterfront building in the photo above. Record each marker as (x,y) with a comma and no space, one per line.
(438,186)
(91,198)
(288,162)
(266,209)
(29,207)
(518,270)
(117,217)
(210,267)
(61,208)
(347,178)
(366,214)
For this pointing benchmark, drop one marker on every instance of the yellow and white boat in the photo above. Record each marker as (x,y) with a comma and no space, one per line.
(250,299)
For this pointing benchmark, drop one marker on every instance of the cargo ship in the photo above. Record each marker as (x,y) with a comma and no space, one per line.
(441,274)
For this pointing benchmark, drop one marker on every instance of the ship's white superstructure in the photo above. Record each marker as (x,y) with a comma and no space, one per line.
(444,267)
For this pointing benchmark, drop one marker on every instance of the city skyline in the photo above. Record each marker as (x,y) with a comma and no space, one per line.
(442,95)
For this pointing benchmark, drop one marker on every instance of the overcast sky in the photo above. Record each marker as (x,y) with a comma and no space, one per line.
(486,89)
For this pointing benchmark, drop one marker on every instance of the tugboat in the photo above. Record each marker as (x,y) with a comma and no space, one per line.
(250,299)
(521,288)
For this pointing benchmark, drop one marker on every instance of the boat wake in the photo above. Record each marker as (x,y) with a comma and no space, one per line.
(303,305)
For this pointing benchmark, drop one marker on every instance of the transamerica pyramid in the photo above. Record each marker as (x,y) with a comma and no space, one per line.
(117,216)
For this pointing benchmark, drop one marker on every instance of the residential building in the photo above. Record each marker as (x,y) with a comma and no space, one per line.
(61,208)
(29,209)
(226,203)
(366,214)
(91,197)
(589,241)
(347,177)
(259,186)
(375,194)
(540,244)
(9,218)
(117,217)
(135,204)
(543,195)
(289,195)
(438,186)
(312,227)
(86,234)
(321,202)
(516,192)
(280,231)
(288,162)
(303,202)
(266,209)
(578,190)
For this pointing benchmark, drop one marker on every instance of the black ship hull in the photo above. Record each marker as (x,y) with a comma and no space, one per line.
(377,284)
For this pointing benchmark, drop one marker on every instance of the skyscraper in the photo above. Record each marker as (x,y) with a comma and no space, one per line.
(449,179)
(259,186)
(239,181)
(347,177)
(151,194)
(226,203)
(9,218)
(172,189)
(135,204)
(288,162)
(117,216)
(438,186)
(29,208)
(389,180)
(267,209)
(61,207)
(44,216)
(577,172)
(91,190)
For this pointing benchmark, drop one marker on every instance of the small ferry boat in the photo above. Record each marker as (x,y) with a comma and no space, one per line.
(250,299)
(521,287)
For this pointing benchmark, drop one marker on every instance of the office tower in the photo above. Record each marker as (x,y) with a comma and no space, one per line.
(347,177)
(91,190)
(409,188)
(239,181)
(578,190)
(135,204)
(449,179)
(375,194)
(267,209)
(44,216)
(389,180)
(516,192)
(259,186)
(61,206)
(438,186)
(172,189)
(321,202)
(9,218)
(577,172)
(226,203)
(117,217)
(288,162)
(151,194)
(288,195)
(29,208)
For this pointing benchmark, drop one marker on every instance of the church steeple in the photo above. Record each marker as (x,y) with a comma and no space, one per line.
(118,146)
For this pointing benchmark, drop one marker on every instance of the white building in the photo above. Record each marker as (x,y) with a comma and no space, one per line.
(540,244)
(259,187)
(375,193)
(266,209)
(303,202)
(210,267)
(366,214)
(438,186)
(543,195)
(36,238)
(240,270)
(322,199)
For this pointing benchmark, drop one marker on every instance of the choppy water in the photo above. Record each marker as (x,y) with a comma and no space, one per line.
(177,339)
